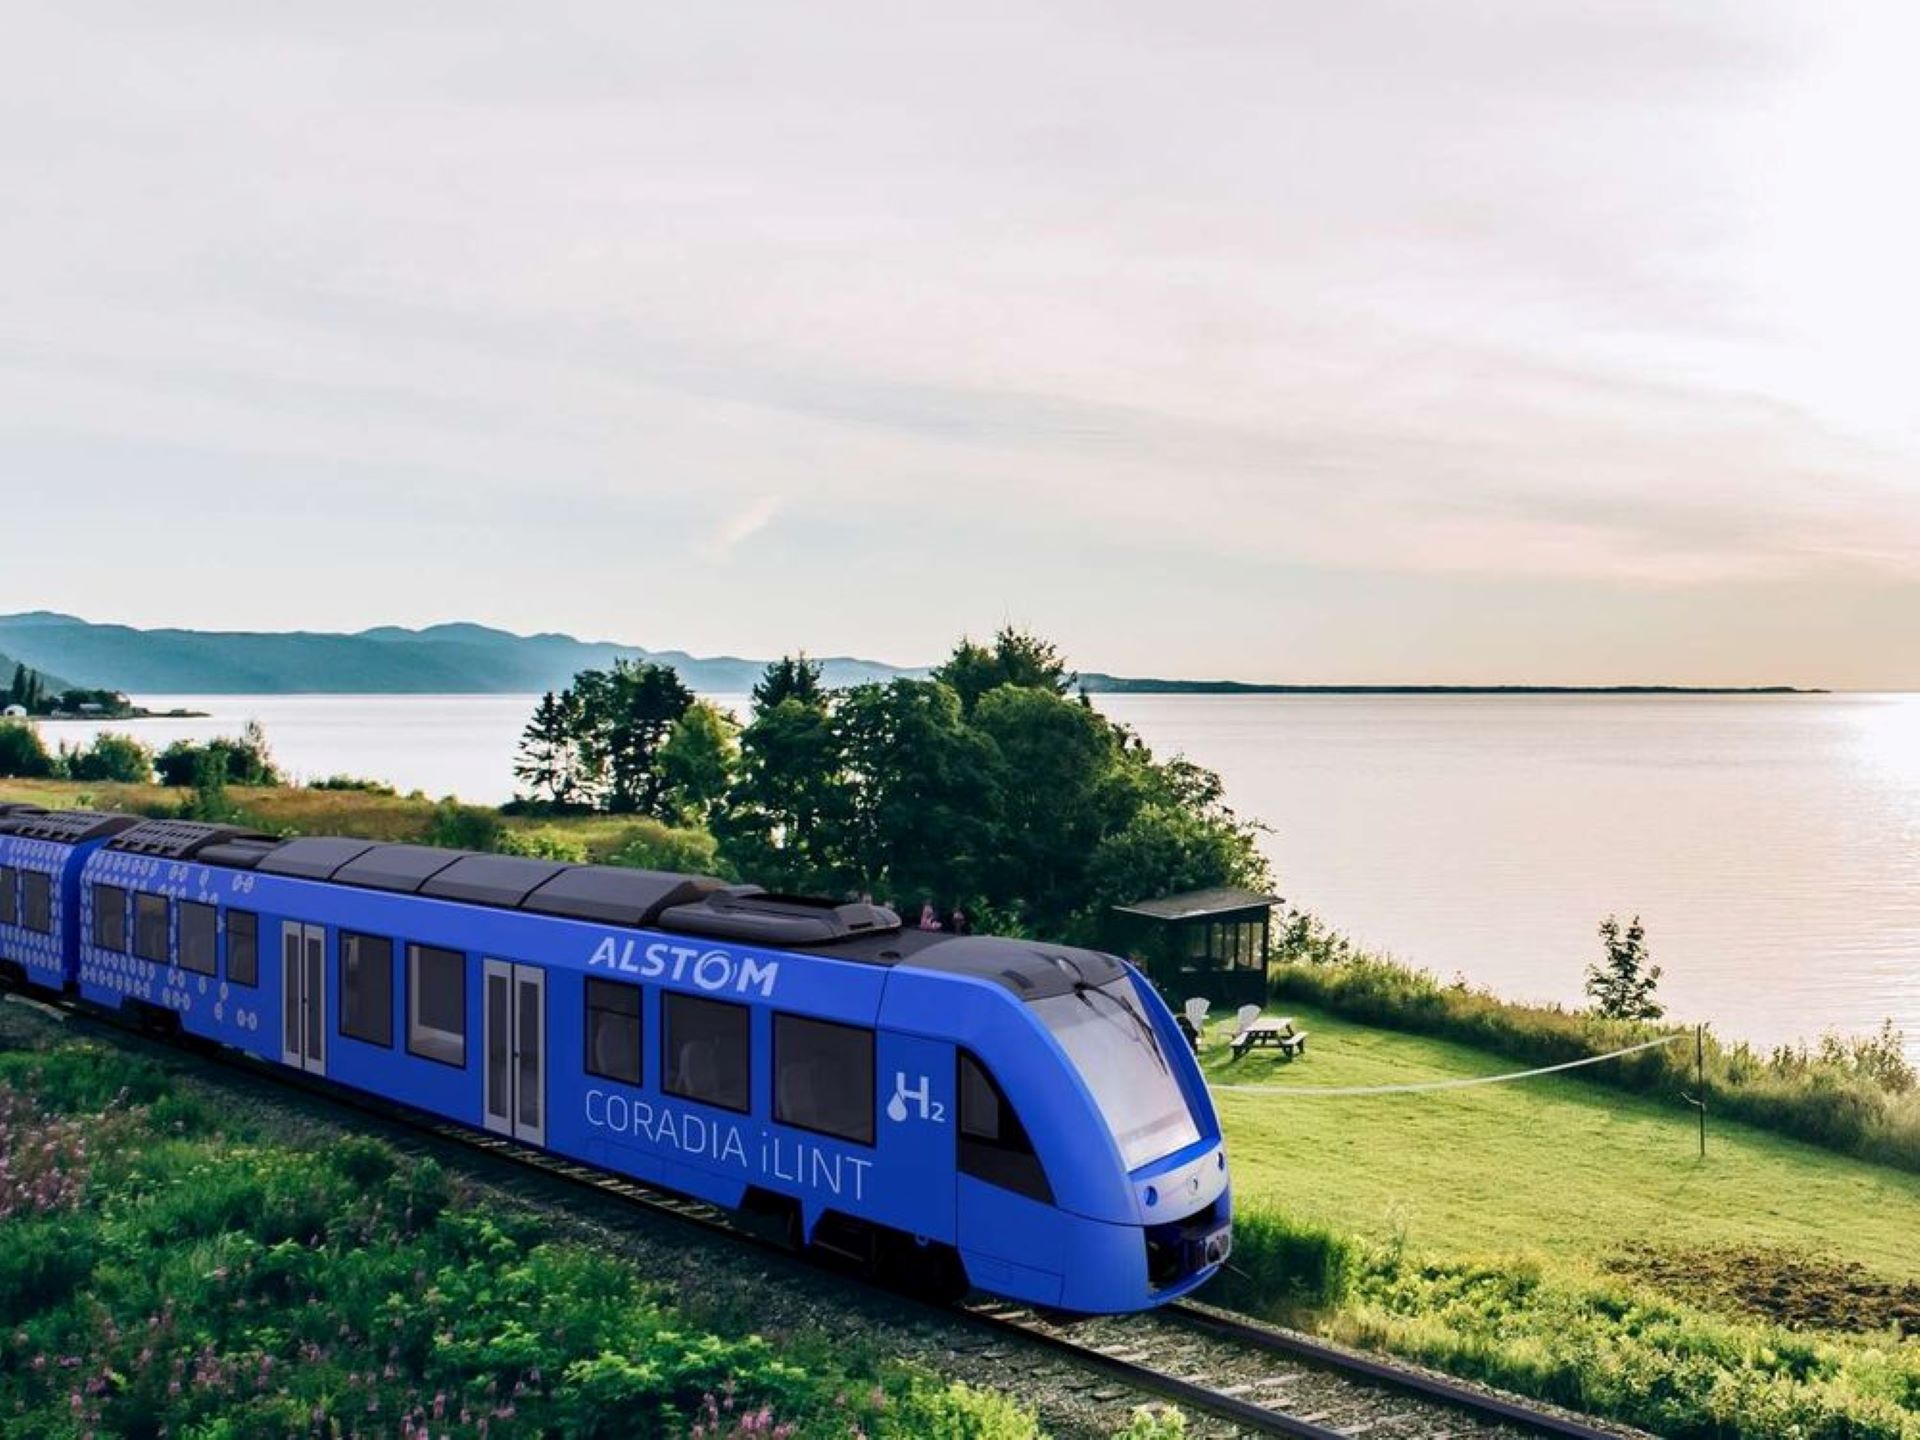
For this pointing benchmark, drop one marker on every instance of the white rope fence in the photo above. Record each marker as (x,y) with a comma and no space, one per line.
(1432,1085)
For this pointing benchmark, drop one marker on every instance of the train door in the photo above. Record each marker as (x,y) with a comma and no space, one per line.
(303,996)
(514,1039)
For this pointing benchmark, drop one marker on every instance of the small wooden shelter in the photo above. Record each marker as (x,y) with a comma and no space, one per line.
(1212,943)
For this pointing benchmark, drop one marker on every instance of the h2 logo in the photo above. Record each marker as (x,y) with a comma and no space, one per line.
(922,1097)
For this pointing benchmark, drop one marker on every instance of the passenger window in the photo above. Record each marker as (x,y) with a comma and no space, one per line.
(613,1031)
(110,918)
(994,1145)
(150,927)
(9,895)
(36,902)
(707,1051)
(366,988)
(199,933)
(823,1077)
(243,947)
(437,1004)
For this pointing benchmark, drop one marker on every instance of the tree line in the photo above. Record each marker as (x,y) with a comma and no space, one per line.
(121,759)
(988,786)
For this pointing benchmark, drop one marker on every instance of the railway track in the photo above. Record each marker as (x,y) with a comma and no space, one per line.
(1252,1379)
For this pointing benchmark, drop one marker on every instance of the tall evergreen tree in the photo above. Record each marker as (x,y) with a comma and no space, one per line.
(547,762)
(792,677)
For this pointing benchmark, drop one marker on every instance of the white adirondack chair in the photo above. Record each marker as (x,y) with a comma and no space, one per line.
(1196,1011)
(1246,1016)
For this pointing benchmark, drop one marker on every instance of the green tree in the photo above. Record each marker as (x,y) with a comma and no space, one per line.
(549,762)
(210,801)
(619,720)
(1164,849)
(111,757)
(22,753)
(923,791)
(698,760)
(783,820)
(1063,795)
(1621,984)
(792,677)
(1016,657)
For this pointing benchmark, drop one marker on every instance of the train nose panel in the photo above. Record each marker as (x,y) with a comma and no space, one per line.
(1183,1248)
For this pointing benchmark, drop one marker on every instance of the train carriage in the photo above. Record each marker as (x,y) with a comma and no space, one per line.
(41,853)
(1016,1116)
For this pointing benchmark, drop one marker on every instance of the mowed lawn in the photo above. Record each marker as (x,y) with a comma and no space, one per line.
(1565,1169)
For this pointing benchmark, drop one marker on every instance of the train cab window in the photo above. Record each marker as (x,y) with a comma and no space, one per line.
(823,1077)
(613,1031)
(150,922)
(36,902)
(994,1145)
(199,935)
(706,1050)
(437,1004)
(366,988)
(110,918)
(243,947)
(9,895)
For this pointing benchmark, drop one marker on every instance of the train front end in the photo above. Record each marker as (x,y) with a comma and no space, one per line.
(1164,1227)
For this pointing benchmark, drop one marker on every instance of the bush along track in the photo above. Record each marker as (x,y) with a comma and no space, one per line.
(165,1270)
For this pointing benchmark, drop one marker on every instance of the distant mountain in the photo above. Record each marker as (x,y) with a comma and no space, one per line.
(457,659)
(466,659)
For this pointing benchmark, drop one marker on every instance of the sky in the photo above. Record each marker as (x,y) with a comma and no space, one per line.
(1363,342)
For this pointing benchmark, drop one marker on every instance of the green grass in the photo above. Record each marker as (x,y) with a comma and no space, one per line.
(165,1269)
(303,811)
(1555,1165)
(1564,1239)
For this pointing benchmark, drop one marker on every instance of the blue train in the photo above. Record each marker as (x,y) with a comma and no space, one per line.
(945,1111)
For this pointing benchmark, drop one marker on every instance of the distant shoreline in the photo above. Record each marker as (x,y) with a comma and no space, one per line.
(1108,685)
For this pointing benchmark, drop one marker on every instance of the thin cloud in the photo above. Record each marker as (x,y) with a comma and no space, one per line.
(740,527)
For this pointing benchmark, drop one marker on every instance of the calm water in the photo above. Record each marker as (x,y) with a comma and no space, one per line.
(1772,845)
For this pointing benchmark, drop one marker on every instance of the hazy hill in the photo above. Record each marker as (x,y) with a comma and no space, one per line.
(441,659)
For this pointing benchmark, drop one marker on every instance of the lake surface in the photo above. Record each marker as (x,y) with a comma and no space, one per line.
(1771,844)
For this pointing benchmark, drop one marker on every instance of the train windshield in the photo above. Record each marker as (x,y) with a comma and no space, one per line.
(1109,1038)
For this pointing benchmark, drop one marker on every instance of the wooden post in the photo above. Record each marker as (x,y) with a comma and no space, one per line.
(1700,1079)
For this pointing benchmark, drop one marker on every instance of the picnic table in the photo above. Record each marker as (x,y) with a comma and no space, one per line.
(1270,1030)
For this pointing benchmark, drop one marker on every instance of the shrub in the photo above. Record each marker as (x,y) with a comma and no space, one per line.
(118,758)
(652,846)
(352,782)
(23,755)
(1281,1264)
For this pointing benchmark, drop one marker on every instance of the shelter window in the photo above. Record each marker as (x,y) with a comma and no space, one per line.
(707,1049)
(823,1077)
(9,895)
(110,918)
(199,938)
(150,923)
(243,947)
(366,988)
(437,1004)
(994,1145)
(36,902)
(613,1031)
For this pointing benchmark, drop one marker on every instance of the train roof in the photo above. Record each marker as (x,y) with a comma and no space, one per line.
(67,827)
(700,905)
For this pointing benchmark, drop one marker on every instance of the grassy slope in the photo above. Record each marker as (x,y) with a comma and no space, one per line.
(312,812)
(1557,1167)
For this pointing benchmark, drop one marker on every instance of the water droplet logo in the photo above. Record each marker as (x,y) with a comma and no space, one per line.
(897,1107)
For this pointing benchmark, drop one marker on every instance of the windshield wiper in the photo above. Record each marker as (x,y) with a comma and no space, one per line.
(1082,990)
